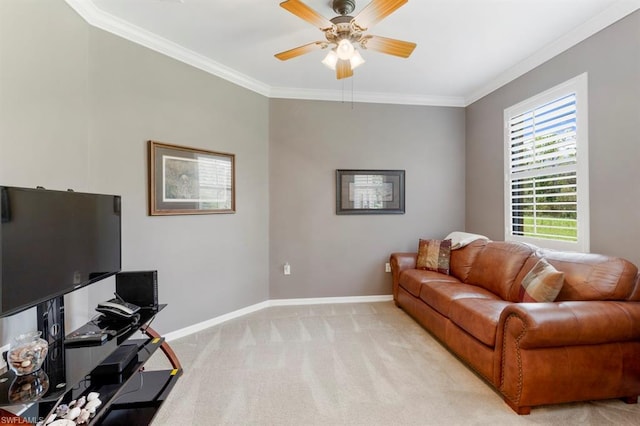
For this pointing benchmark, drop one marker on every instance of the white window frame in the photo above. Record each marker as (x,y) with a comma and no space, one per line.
(578,86)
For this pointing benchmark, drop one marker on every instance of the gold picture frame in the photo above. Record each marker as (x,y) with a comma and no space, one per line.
(184,180)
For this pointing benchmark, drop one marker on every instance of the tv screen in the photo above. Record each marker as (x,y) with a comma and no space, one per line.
(53,242)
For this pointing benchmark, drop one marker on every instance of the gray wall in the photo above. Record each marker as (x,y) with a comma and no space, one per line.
(44,108)
(334,255)
(208,265)
(612,60)
(77,108)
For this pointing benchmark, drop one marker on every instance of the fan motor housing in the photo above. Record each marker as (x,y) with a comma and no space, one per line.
(343,7)
(344,29)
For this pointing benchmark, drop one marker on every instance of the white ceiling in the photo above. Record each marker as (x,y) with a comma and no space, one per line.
(466,48)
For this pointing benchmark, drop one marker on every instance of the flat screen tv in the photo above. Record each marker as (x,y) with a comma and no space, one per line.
(54,242)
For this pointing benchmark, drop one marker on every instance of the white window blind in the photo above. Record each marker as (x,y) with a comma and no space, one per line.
(544,171)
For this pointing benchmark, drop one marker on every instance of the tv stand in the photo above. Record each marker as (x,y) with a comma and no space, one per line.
(129,396)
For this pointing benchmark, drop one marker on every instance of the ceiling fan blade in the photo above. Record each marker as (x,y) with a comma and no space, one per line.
(343,69)
(375,12)
(389,46)
(300,50)
(303,11)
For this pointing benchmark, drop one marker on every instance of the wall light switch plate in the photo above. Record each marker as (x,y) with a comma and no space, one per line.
(287,269)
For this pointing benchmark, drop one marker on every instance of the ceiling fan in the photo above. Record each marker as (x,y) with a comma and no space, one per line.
(343,32)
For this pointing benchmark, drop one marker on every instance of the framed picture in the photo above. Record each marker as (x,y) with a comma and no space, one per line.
(186,180)
(369,191)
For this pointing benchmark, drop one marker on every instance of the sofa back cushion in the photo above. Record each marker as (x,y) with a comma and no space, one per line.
(497,266)
(462,259)
(589,276)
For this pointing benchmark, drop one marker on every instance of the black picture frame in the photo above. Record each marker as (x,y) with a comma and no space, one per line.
(370,191)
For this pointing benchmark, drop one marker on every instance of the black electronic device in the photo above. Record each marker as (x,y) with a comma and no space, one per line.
(111,369)
(54,242)
(86,338)
(138,287)
(117,308)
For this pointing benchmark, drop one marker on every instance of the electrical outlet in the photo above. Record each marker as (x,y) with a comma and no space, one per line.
(387,267)
(287,269)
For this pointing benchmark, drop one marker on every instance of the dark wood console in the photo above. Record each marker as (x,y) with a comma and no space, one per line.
(130,396)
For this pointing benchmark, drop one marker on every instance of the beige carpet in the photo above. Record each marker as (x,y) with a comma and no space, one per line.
(342,364)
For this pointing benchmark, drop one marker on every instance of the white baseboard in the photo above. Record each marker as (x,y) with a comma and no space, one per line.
(183,332)
(327,300)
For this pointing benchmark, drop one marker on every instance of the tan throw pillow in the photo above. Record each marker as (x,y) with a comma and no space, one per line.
(542,284)
(434,255)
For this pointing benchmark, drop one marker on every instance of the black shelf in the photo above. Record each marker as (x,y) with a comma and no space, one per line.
(131,386)
(64,372)
(128,394)
(138,401)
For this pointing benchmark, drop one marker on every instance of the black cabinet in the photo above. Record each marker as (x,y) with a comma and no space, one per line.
(114,369)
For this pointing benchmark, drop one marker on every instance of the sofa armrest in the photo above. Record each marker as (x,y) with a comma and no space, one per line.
(400,262)
(538,325)
(567,351)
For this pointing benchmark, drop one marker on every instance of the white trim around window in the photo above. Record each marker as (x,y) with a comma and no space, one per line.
(546,168)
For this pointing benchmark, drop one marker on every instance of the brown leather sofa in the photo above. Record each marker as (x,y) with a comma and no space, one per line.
(584,346)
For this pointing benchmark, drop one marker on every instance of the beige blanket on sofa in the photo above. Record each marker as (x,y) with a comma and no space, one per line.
(461,239)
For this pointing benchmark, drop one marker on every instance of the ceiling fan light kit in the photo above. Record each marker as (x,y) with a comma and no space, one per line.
(345,49)
(344,33)
(356,60)
(331,59)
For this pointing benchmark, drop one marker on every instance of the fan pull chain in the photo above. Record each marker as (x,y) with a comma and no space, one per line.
(353,83)
(352,79)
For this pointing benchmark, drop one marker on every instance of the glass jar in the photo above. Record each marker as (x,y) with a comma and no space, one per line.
(27,353)
(28,388)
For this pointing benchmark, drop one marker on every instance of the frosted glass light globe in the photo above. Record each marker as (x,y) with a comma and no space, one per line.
(345,49)
(356,60)
(331,60)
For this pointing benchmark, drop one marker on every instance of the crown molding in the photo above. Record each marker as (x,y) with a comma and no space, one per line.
(613,13)
(368,97)
(107,22)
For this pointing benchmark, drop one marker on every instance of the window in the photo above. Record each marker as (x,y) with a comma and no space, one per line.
(546,168)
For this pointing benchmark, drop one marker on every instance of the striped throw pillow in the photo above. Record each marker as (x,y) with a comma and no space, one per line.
(542,284)
(434,255)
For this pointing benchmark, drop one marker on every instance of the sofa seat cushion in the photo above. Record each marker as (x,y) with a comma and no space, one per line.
(439,294)
(412,279)
(478,317)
